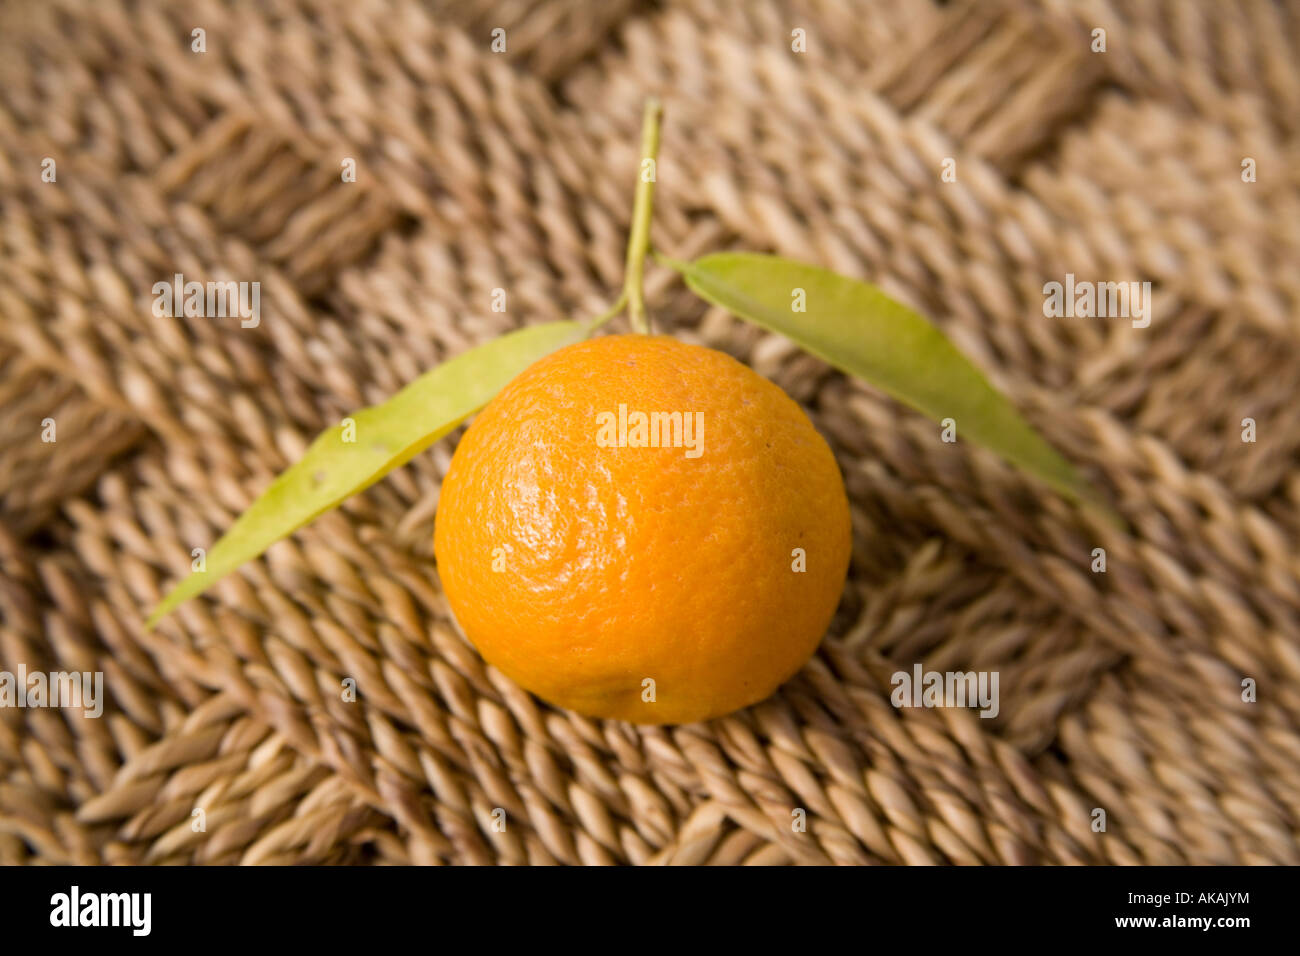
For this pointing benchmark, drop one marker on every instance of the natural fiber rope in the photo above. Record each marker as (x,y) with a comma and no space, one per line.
(480,171)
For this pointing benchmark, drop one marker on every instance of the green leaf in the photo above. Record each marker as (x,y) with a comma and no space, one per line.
(858,329)
(386,437)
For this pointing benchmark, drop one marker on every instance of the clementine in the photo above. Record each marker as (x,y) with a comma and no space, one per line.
(642,529)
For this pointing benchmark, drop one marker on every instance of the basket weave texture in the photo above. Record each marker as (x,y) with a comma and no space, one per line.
(479,170)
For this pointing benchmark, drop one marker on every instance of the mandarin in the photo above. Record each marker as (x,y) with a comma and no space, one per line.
(641,529)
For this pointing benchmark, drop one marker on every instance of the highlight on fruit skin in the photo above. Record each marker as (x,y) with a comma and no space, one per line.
(642,529)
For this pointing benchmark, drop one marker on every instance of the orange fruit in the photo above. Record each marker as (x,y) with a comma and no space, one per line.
(660,584)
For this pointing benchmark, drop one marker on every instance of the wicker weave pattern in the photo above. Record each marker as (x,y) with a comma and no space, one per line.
(480,171)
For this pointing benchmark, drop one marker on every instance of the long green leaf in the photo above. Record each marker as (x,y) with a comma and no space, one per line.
(385,436)
(858,329)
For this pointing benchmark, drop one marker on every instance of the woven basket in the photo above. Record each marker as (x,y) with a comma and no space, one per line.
(1120,691)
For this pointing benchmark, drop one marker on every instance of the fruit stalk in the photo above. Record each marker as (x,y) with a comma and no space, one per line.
(638,241)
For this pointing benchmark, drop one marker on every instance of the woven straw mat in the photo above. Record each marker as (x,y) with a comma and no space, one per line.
(1120,691)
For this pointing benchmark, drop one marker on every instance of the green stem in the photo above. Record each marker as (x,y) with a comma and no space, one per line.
(613,310)
(638,240)
(675,264)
